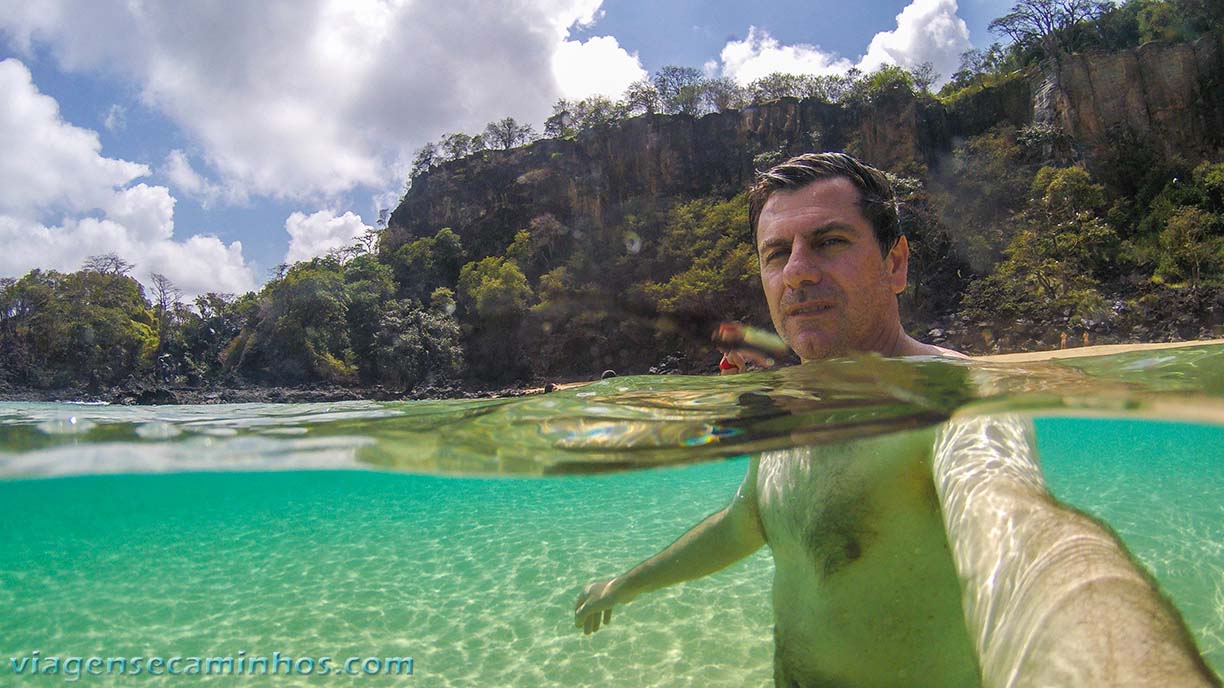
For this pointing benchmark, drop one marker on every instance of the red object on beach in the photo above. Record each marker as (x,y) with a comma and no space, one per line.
(724,364)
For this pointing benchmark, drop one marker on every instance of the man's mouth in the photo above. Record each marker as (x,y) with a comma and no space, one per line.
(808,308)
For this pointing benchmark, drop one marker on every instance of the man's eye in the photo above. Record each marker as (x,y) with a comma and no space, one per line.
(774,255)
(831,241)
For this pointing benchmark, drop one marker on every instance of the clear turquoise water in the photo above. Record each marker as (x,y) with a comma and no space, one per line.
(474,578)
(1161,487)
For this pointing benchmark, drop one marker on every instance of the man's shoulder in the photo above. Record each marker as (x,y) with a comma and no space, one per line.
(942,351)
(913,347)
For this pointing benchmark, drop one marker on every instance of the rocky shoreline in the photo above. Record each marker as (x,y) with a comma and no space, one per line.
(143,393)
(975,341)
(152,394)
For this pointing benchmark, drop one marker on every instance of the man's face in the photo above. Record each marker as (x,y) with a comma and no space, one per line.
(829,290)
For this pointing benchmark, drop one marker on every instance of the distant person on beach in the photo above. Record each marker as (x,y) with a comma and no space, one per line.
(909,559)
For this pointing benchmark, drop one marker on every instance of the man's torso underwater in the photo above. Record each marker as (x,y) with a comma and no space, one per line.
(865,592)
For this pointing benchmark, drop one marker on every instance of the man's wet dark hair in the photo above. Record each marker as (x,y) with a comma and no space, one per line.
(876,199)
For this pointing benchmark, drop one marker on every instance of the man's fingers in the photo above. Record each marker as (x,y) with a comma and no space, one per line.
(589,623)
(587,615)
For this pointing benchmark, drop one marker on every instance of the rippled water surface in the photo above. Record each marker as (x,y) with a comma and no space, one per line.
(220,530)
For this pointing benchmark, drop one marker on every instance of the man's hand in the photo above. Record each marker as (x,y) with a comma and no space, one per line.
(595,605)
(746,348)
(723,538)
(742,360)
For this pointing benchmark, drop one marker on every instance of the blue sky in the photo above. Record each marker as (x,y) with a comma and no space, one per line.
(211,141)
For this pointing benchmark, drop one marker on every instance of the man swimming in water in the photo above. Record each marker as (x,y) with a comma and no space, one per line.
(891,568)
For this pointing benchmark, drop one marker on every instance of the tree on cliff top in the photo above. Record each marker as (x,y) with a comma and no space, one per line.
(642,98)
(507,133)
(679,89)
(594,113)
(108,264)
(424,160)
(459,145)
(1052,26)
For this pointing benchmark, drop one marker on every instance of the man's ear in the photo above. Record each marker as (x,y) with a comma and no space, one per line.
(896,263)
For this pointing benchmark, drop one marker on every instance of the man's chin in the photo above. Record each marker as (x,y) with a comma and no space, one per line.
(809,346)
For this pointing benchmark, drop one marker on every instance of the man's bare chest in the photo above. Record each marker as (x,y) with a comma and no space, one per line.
(836,505)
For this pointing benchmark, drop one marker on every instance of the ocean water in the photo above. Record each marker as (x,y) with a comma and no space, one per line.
(325,530)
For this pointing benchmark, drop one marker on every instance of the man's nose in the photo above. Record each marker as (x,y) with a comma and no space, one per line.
(801,268)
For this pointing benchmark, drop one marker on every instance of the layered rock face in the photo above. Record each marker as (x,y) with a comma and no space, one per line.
(1169,96)
(590,181)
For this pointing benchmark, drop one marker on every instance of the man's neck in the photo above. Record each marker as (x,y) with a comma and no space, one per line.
(898,344)
(892,342)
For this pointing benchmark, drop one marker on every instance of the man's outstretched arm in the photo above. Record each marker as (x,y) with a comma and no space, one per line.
(720,540)
(1050,596)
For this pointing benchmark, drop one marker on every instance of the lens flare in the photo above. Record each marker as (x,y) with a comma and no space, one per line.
(633,242)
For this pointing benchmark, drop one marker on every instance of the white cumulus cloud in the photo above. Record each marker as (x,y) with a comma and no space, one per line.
(760,55)
(146,212)
(307,99)
(316,234)
(202,264)
(198,265)
(927,31)
(62,201)
(179,171)
(50,166)
(597,66)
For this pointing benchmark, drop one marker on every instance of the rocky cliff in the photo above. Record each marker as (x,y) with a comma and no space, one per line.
(1168,95)
(591,180)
